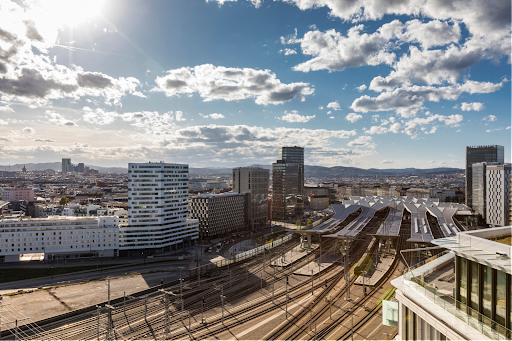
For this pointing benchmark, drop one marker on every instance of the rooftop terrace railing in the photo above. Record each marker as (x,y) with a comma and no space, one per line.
(414,285)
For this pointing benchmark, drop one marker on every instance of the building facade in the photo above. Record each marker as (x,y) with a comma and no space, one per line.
(18,194)
(58,237)
(254,183)
(475,154)
(498,194)
(218,214)
(288,184)
(476,304)
(66,164)
(479,188)
(157,208)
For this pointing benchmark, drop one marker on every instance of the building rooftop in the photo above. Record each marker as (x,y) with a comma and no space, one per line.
(480,246)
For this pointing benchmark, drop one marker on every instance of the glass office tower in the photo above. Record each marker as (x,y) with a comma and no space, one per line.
(288,184)
(475,154)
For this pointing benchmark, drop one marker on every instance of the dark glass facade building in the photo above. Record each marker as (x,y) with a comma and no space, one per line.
(288,184)
(475,154)
(485,290)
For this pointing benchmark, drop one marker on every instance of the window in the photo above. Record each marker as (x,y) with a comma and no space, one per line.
(474,286)
(501,290)
(463,279)
(487,291)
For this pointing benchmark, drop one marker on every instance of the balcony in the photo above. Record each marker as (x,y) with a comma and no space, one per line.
(445,307)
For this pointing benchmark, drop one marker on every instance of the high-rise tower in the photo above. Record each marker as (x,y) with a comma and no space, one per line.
(476,154)
(157,207)
(288,183)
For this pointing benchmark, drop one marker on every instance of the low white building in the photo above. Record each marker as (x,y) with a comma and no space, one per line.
(58,237)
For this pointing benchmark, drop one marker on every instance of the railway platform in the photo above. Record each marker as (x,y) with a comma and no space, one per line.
(318,265)
(384,265)
(293,255)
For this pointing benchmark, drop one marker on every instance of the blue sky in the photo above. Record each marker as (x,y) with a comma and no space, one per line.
(226,83)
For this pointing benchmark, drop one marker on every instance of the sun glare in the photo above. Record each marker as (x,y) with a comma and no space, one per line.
(72,12)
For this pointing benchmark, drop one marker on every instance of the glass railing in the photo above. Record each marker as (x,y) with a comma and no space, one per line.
(471,317)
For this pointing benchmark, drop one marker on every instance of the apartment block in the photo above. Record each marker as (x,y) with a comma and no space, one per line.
(157,208)
(18,194)
(58,237)
(498,194)
(218,213)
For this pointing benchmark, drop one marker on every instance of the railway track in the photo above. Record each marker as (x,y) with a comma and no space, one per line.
(233,320)
(86,324)
(327,332)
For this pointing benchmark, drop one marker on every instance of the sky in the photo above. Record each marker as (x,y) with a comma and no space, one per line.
(225,83)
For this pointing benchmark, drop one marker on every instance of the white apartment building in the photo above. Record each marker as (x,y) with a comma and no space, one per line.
(498,194)
(58,237)
(157,208)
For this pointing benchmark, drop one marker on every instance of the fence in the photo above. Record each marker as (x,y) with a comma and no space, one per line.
(414,285)
(240,257)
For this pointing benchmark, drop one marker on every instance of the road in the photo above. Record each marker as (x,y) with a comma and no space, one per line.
(171,273)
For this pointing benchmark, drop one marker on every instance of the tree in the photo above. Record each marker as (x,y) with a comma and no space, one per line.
(63,201)
(297,222)
(310,222)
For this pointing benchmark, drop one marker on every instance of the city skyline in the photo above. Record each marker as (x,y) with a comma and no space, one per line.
(226,83)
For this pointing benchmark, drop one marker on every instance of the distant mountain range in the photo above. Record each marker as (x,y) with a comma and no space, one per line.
(310,171)
(57,166)
(340,171)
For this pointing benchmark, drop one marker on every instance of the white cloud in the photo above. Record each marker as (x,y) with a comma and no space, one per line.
(320,107)
(482,18)
(329,112)
(296,118)
(375,118)
(334,105)
(28,130)
(288,52)
(216,116)
(490,118)
(407,101)
(180,118)
(475,106)
(387,162)
(44,140)
(353,117)
(99,116)
(361,88)
(290,39)
(363,142)
(331,117)
(331,50)
(58,119)
(230,84)
(432,33)
(6,108)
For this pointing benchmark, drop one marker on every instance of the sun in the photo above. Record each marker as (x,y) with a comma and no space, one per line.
(71,12)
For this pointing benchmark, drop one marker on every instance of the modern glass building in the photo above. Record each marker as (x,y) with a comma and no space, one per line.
(288,184)
(463,293)
(475,154)
(253,182)
(66,163)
